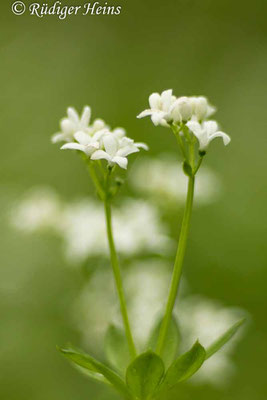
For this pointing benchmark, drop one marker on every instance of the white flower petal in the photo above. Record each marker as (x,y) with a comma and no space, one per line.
(58,137)
(73,146)
(100,154)
(91,148)
(85,118)
(155,101)
(119,132)
(121,161)
(73,115)
(99,134)
(110,144)
(142,145)
(67,126)
(127,150)
(210,110)
(166,98)
(157,117)
(210,126)
(82,137)
(226,138)
(195,127)
(125,141)
(144,113)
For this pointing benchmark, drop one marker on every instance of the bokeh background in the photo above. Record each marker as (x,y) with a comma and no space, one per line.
(216,48)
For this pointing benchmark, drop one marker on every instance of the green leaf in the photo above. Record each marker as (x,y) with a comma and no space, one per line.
(171,344)
(223,339)
(187,169)
(185,366)
(116,348)
(92,374)
(93,366)
(144,375)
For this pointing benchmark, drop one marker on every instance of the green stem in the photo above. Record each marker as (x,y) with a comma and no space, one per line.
(177,265)
(176,132)
(198,164)
(118,280)
(97,184)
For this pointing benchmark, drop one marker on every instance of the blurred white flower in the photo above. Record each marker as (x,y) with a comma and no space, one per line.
(146,284)
(82,227)
(38,210)
(206,132)
(160,107)
(206,320)
(162,179)
(142,232)
(94,308)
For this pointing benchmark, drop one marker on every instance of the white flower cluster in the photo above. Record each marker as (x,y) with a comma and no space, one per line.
(205,319)
(38,210)
(97,140)
(81,241)
(81,225)
(166,109)
(160,179)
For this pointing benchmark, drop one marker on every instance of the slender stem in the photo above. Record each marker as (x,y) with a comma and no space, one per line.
(118,280)
(177,265)
(198,164)
(97,184)
(176,131)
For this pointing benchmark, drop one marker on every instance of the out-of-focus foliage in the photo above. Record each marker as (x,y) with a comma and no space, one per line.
(113,63)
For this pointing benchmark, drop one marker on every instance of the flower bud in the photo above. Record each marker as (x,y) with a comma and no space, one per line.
(181,109)
(200,107)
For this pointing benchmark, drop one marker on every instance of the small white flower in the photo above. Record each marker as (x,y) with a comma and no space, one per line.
(206,132)
(86,143)
(160,107)
(116,150)
(181,109)
(72,124)
(96,126)
(201,108)
(119,133)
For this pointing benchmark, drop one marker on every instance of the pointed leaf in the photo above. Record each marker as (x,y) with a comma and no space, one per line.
(171,344)
(223,339)
(116,348)
(144,375)
(185,366)
(87,362)
(92,374)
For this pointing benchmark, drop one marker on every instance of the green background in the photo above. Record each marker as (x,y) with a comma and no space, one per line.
(211,47)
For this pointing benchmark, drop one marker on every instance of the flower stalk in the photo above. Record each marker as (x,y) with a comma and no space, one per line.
(178,264)
(106,195)
(118,280)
